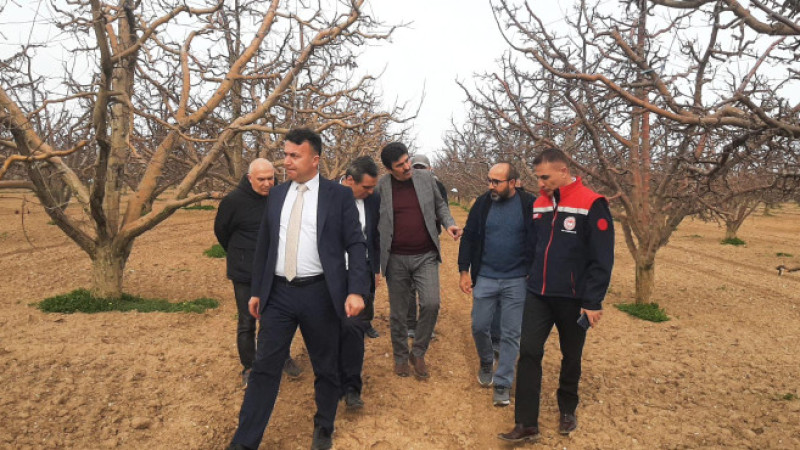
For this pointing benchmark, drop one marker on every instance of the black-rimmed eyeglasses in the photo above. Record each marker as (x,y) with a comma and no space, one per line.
(494,182)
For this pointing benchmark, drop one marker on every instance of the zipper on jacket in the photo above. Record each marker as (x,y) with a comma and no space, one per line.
(550,242)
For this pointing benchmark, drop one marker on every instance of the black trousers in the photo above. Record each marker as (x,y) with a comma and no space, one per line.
(538,318)
(245,326)
(351,346)
(311,308)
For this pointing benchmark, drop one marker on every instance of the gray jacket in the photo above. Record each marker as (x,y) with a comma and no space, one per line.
(430,200)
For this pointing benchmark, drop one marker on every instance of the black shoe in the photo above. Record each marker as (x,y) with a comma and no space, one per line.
(372,333)
(352,399)
(322,439)
(567,423)
(520,434)
(291,369)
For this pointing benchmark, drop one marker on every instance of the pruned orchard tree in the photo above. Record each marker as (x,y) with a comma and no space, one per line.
(147,98)
(650,109)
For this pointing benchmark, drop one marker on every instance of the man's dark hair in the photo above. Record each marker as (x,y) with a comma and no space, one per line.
(551,155)
(392,152)
(299,135)
(363,165)
(512,171)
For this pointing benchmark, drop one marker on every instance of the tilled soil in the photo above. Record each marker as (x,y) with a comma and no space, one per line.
(723,373)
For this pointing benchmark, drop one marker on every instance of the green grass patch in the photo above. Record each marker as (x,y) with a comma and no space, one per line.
(789,397)
(788,255)
(216,251)
(645,311)
(51,222)
(200,208)
(732,241)
(465,208)
(695,236)
(81,300)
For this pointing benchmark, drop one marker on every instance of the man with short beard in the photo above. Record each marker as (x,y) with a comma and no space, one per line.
(410,253)
(494,259)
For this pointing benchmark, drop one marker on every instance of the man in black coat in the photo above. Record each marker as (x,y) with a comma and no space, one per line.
(236,227)
(361,177)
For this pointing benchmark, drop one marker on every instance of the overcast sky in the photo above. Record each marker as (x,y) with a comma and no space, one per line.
(446,40)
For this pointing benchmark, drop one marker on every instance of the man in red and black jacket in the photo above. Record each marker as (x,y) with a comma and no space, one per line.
(570,275)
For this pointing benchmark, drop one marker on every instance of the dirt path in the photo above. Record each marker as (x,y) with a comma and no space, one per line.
(717,375)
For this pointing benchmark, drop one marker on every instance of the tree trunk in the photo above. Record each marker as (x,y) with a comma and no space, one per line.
(645,281)
(732,228)
(108,266)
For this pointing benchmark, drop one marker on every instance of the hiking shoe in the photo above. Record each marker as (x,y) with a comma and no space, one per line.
(291,369)
(485,375)
(502,396)
(372,333)
(245,377)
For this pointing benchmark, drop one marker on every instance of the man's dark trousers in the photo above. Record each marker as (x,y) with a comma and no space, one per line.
(246,325)
(538,318)
(351,349)
(311,308)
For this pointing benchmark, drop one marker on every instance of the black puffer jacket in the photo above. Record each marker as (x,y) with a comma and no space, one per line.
(236,227)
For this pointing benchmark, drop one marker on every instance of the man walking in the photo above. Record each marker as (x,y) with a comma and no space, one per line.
(421,162)
(410,256)
(300,278)
(494,259)
(570,275)
(361,177)
(236,227)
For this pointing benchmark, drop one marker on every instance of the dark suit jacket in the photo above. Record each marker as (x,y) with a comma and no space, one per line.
(338,232)
(372,211)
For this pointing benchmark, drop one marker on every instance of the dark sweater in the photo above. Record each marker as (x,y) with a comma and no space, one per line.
(236,227)
(410,235)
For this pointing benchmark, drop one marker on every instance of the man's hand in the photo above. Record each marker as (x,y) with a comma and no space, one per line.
(466,283)
(252,305)
(353,305)
(454,232)
(377,280)
(593,316)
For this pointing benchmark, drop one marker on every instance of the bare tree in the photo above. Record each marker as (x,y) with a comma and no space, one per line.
(636,109)
(159,107)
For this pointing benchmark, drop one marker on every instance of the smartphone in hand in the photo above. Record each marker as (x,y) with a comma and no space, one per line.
(583,322)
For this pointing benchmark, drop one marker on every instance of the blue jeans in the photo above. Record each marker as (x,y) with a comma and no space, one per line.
(509,295)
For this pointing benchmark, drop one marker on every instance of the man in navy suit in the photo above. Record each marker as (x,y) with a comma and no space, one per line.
(300,279)
(361,177)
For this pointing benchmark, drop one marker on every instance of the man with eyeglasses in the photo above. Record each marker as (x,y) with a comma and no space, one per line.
(494,259)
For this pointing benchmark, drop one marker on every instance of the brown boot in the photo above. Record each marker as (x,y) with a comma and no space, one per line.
(418,363)
(520,433)
(401,369)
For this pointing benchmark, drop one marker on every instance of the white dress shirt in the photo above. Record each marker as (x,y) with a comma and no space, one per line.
(362,218)
(308,262)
